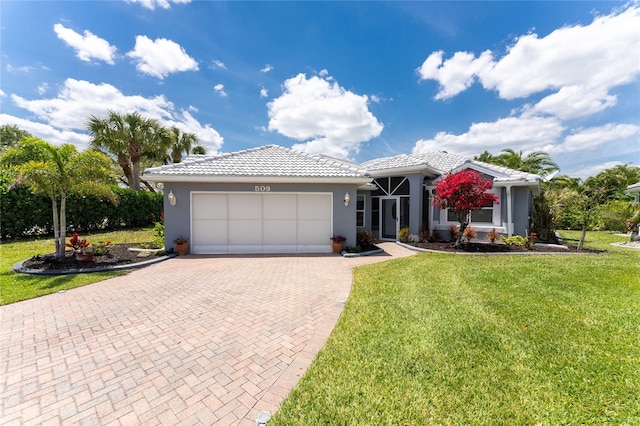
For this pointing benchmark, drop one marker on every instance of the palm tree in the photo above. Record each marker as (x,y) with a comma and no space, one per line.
(128,137)
(538,162)
(56,172)
(181,143)
(199,150)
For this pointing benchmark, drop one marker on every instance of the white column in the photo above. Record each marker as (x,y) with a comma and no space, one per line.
(509,213)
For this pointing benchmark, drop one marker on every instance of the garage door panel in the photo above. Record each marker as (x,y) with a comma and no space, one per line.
(314,206)
(314,232)
(245,232)
(210,232)
(280,206)
(209,206)
(245,206)
(278,232)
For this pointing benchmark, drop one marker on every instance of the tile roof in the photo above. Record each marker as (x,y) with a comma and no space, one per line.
(264,161)
(505,174)
(274,161)
(439,161)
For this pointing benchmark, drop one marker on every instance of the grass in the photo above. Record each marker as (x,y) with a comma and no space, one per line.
(16,287)
(451,339)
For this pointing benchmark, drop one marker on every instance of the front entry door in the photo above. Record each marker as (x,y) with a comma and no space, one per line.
(393,216)
(389,220)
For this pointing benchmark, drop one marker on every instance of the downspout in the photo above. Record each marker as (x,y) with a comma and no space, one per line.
(509,213)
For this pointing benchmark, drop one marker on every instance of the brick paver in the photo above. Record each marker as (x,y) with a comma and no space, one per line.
(192,340)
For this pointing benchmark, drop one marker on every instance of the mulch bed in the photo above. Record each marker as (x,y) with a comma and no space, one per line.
(497,248)
(118,255)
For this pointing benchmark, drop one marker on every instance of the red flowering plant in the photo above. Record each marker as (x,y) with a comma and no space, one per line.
(78,245)
(338,239)
(463,192)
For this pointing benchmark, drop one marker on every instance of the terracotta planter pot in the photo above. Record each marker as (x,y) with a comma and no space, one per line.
(182,248)
(84,257)
(337,247)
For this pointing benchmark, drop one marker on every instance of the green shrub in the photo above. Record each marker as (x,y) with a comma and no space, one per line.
(404,234)
(365,240)
(24,214)
(515,240)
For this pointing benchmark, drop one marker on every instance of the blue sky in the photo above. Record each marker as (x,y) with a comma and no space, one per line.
(355,80)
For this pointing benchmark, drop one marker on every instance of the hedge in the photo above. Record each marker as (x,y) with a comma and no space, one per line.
(24,214)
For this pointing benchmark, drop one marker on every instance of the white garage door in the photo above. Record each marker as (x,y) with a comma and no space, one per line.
(260,223)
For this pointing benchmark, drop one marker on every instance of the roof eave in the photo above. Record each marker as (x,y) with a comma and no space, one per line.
(357,180)
(423,169)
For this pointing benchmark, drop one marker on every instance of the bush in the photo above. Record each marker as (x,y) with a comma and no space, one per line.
(404,235)
(24,214)
(515,240)
(365,240)
(493,235)
(469,233)
(454,230)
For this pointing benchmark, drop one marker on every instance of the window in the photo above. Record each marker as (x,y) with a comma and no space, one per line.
(375,213)
(483,215)
(360,210)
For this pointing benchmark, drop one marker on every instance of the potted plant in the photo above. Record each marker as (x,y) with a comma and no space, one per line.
(81,249)
(338,243)
(182,245)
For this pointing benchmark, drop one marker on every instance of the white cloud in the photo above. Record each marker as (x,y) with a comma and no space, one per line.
(2,94)
(456,74)
(325,116)
(88,46)
(266,68)
(573,102)
(23,70)
(64,118)
(517,133)
(219,88)
(48,132)
(218,64)
(595,56)
(161,57)
(593,170)
(163,4)
(43,88)
(264,92)
(593,138)
(207,135)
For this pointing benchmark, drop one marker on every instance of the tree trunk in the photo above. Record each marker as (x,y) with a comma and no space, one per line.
(123,161)
(56,226)
(582,237)
(135,162)
(63,226)
(463,226)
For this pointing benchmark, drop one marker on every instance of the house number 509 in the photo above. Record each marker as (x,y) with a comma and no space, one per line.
(262,188)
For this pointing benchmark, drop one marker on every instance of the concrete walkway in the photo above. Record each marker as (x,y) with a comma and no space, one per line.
(192,340)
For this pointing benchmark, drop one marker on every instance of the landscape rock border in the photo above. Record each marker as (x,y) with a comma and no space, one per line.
(19,268)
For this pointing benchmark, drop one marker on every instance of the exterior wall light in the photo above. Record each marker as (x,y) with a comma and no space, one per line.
(346,199)
(171,198)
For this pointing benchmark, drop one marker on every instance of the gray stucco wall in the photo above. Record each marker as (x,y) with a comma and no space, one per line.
(522,209)
(177,218)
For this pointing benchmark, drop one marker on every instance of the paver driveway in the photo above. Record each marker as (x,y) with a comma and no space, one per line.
(192,340)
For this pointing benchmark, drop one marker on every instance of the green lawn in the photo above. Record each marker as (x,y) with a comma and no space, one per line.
(451,339)
(15,287)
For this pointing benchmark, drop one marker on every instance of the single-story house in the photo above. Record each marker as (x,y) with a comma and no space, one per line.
(634,190)
(272,199)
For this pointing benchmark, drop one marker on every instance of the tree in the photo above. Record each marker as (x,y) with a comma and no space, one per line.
(10,135)
(181,143)
(199,150)
(538,162)
(129,138)
(56,172)
(463,192)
